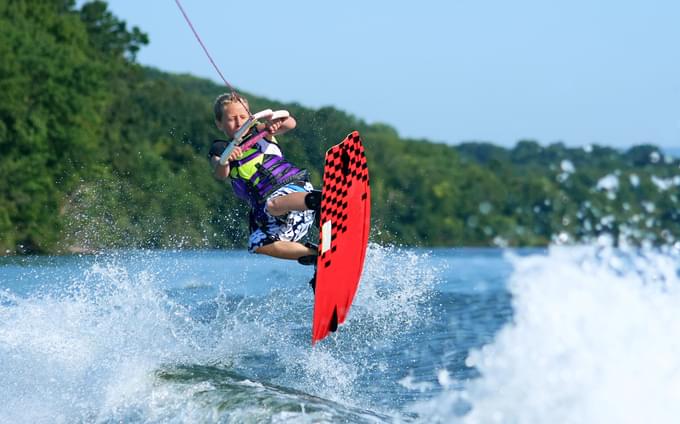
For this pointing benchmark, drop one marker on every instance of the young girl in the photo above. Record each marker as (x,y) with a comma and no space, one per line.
(281,197)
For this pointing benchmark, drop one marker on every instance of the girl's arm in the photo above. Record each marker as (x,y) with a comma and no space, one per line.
(278,126)
(221,172)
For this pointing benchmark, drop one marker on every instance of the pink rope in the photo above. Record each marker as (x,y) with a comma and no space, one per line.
(233,90)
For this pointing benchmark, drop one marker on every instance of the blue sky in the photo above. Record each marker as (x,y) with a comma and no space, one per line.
(580,72)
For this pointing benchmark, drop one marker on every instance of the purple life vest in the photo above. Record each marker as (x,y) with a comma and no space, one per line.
(273,173)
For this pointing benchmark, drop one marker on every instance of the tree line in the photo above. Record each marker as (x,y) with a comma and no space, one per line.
(97,152)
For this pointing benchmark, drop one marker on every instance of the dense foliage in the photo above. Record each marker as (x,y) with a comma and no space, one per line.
(99,152)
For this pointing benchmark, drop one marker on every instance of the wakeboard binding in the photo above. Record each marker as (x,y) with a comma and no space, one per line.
(310,260)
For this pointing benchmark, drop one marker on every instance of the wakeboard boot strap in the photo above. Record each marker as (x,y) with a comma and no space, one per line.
(313,200)
(309,259)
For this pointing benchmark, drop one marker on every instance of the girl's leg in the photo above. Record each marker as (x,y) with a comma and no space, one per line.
(285,249)
(281,205)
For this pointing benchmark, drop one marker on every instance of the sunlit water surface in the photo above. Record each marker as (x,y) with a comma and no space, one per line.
(565,335)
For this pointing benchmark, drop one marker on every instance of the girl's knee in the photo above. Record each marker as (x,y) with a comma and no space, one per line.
(261,250)
(272,206)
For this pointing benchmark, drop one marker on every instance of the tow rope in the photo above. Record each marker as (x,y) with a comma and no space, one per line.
(205,49)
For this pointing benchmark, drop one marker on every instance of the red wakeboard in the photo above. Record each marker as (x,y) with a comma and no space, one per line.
(343,237)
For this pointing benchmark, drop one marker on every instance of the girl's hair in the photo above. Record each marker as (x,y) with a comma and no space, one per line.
(227,98)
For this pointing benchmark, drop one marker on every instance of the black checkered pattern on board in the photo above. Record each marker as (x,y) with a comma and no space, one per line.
(345,163)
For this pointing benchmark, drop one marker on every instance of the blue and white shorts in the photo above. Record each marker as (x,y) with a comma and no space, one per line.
(290,227)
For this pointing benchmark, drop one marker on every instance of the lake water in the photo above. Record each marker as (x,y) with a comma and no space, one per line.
(562,335)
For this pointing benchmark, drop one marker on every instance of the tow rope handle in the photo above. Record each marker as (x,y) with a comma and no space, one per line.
(267,115)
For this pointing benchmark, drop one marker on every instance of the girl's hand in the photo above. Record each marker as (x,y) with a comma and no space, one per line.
(273,126)
(235,154)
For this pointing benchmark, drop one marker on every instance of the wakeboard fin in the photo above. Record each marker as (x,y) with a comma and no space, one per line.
(333,325)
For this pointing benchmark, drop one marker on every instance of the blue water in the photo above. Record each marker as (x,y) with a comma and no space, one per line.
(447,335)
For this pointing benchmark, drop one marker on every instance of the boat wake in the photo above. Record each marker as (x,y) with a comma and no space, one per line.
(593,339)
(133,337)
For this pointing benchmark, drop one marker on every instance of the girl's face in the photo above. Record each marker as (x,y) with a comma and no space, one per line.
(235,115)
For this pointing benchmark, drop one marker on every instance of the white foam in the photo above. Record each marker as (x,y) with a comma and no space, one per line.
(608,183)
(394,289)
(594,339)
(87,351)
